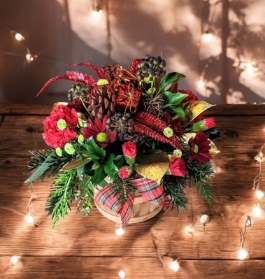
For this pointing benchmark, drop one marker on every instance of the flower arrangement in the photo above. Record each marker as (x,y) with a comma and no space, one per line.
(129,130)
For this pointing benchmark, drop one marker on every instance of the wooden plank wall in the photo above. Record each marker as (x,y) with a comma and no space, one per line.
(87,247)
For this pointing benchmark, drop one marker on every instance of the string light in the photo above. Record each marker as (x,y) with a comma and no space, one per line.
(259,194)
(189,229)
(119,231)
(121,274)
(29,219)
(19,37)
(204,219)
(242,254)
(14,259)
(174,265)
(201,83)
(207,36)
(257,211)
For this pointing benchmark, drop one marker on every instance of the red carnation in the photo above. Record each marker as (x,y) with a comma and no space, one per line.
(129,150)
(59,126)
(125,172)
(177,166)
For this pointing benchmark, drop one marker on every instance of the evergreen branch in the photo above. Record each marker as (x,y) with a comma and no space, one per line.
(85,194)
(62,194)
(46,163)
(173,186)
(200,175)
(122,188)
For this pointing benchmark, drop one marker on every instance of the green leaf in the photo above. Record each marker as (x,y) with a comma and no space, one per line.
(119,161)
(80,170)
(168,79)
(179,112)
(94,151)
(174,98)
(98,176)
(110,168)
(42,169)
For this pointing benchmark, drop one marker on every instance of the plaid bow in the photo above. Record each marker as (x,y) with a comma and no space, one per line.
(149,189)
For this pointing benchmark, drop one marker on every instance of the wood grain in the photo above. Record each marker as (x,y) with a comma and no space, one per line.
(87,247)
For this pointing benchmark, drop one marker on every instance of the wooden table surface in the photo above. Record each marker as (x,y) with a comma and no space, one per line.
(87,247)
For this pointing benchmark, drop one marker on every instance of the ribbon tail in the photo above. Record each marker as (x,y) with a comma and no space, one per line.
(108,197)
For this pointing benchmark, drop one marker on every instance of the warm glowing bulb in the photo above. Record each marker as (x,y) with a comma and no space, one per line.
(188,229)
(257,211)
(201,83)
(19,37)
(174,266)
(121,274)
(242,254)
(259,194)
(119,231)
(29,219)
(204,219)
(29,57)
(14,259)
(207,36)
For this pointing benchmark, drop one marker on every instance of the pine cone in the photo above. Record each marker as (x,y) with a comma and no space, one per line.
(102,101)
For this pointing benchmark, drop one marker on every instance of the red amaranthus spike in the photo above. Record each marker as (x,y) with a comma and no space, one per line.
(156,123)
(142,129)
(97,70)
(151,120)
(70,75)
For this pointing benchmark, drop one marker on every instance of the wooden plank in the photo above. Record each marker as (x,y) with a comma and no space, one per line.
(142,267)
(24,109)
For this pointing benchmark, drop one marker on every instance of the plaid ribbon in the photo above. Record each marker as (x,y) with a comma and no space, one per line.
(107,196)
(150,190)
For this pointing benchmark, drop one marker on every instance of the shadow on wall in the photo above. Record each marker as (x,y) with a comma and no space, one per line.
(47,31)
(133,32)
(178,44)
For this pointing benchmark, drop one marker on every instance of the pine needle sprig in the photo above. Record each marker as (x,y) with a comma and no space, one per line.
(173,186)
(37,158)
(62,195)
(85,194)
(122,188)
(53,163)
(200,175)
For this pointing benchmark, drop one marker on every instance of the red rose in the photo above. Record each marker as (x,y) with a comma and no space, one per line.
(124,172)
(177,166)
(59,126)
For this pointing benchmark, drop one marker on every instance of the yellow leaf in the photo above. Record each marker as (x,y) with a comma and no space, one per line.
(195,108)
(153,165)
(75,163)
(153,171)
(213,150)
